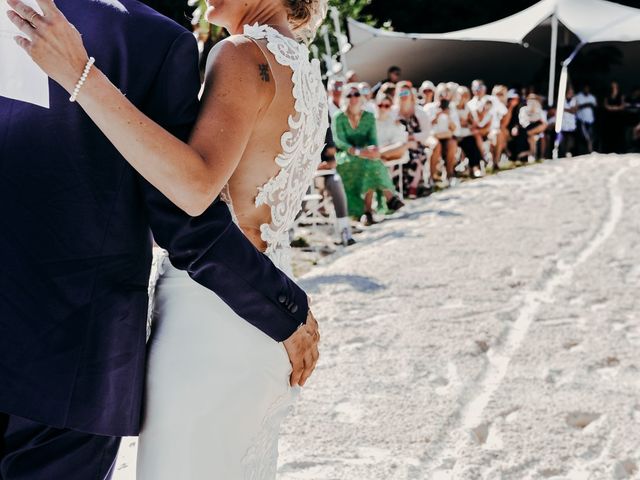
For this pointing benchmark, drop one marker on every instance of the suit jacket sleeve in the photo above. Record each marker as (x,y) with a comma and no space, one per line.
(211,248)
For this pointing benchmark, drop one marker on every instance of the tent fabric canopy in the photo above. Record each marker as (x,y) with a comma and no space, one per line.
(590,20)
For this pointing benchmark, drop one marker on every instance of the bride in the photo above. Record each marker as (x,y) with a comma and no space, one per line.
(217,387)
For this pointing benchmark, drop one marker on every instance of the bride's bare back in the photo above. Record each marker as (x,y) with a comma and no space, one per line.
(258,163)
(262,157)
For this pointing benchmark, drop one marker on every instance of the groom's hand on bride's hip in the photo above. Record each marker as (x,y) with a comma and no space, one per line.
(302,348)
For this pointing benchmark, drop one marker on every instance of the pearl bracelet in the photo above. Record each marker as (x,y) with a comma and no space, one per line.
(83,78)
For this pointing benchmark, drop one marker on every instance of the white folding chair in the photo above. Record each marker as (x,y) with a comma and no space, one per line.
(397,173)
(317,209)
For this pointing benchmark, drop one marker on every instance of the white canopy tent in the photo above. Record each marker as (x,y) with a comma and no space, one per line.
(589,20)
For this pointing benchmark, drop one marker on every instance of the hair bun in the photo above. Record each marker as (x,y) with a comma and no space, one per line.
(306,16)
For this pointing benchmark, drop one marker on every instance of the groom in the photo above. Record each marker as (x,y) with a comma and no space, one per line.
(75,255)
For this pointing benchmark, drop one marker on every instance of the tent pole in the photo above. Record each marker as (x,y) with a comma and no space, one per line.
(328,58)
(562,98)
(552,65)
(335,15)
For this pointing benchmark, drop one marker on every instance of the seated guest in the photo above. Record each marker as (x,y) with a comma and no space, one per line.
(334,187)
(480,110)
(334,90)
(418,125)
(499,133)
(445,124)
(367,97)
(465,135)
(388,89)
(393,138)
(512,120)
(533,123)
(427,93)
(359,163)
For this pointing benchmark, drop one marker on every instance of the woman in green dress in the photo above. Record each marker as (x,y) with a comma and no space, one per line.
(363,172)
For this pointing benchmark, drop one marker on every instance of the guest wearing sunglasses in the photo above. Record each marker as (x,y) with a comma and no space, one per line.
(427,93)
(419,126)
(367,94)
(334,89)
(359,163)
(393,137)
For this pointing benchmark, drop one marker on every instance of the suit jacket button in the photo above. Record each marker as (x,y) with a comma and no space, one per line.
(294,309)
(282,299)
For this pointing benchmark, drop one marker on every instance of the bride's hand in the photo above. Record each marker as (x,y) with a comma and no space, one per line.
(51,41)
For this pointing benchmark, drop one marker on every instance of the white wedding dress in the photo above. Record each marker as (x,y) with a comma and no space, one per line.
(217,387)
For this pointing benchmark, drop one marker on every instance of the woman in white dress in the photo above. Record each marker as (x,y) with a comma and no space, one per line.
(393,137)
(217,387)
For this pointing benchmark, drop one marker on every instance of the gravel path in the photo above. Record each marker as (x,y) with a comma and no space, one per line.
(491,331)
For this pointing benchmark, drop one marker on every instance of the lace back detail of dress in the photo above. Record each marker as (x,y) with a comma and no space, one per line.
(302,144)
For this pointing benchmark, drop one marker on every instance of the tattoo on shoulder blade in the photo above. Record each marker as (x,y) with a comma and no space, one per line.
(264,72)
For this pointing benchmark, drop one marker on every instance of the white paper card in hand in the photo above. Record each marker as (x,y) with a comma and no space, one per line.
(20,78)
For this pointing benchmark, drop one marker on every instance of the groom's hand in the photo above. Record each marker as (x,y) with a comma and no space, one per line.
(302,348)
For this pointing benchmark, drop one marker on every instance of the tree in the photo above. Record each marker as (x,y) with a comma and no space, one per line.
(347,9)
(189,12)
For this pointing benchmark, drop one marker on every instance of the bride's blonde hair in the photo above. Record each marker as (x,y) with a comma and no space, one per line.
(306,16)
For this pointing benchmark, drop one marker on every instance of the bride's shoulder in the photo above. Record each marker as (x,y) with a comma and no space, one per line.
(237,69)
(237,49)
(238,63)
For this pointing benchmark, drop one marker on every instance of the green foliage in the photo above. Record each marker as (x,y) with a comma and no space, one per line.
(354,9)
(347,9)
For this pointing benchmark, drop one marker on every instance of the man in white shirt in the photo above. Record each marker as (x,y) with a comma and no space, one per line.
(569,124)
(586,103)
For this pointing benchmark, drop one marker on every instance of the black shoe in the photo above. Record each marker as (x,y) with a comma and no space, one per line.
(369,220)
(348,243)
(424,191)
(395,204)
(347,240)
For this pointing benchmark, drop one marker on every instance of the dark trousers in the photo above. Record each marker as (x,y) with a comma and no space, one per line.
(470,148)
(32,451)
(585,137)
(333,184)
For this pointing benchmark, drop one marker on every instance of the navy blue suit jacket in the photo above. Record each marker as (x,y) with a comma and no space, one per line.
(75,243)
